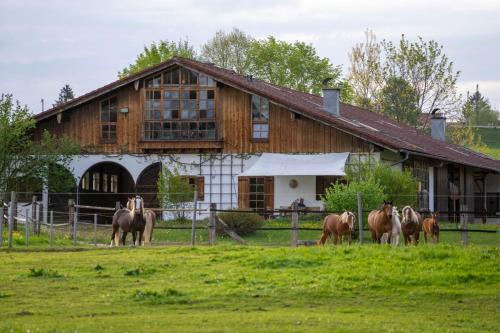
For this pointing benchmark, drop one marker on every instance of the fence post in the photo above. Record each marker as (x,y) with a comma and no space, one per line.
(11,216)
(51,227)
(193,224)
(75,221)
(360,218)
(13,209)
(118,205)
(71,215)
(295,224)
(95,229)
(463,224)
(27,227)
(37,218)
(33,216)
(211,227)
(1,223)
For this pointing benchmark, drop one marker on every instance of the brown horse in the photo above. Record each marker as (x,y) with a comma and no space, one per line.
(411,225)
(339,226)
(139,223)
(380,222)
(147,222)
(123,220)
(430,226)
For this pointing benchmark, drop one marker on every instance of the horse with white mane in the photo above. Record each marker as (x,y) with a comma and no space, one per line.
(396,229)
(145,220)
(411,225)
(338,226)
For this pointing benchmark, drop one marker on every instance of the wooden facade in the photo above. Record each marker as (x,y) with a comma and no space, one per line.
(288,132)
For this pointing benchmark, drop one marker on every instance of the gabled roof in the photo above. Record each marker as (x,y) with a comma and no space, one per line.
(373,127)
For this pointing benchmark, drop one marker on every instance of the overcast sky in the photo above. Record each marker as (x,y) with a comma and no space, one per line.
(45,44)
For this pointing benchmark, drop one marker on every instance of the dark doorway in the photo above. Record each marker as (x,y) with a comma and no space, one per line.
(104,184)
(147,184)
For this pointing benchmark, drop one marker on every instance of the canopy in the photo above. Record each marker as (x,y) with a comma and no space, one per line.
(298,165)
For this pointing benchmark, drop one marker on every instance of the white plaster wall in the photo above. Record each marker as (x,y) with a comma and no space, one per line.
(284,195)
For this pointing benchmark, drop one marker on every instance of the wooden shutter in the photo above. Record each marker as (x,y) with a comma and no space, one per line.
(269,193)
(243,192)
(200,188)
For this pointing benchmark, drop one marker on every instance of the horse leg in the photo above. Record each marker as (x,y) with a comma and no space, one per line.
(323,238)
(349,238)
(124,237)
(112,237)
(425,237)
(139,239)
(374,236)
(134,237)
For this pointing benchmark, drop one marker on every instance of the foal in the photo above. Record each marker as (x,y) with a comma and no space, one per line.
(338,226)
(431,227)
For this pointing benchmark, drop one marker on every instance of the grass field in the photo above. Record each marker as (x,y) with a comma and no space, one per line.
(445,288)
(491,138)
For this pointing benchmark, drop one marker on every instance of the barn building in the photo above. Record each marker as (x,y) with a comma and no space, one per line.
(246,143)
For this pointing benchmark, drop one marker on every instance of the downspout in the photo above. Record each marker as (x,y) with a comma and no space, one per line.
(407,156)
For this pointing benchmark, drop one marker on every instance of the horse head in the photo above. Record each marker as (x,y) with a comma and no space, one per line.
(138,204)
(348,218)
(387,209)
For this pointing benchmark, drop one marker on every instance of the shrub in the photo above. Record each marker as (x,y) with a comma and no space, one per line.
(398,186)
(242,223)
(340,197)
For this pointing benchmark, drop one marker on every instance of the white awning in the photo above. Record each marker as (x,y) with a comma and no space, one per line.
(331,164)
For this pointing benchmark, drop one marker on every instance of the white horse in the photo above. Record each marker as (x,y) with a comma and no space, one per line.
(396,229)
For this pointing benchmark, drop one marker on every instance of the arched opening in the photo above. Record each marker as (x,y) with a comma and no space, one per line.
(105,183)
(147,184)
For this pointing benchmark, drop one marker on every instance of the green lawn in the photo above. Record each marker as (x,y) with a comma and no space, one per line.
(228,288)
(491,138)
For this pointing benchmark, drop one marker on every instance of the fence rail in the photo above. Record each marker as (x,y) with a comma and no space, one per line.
(78,226)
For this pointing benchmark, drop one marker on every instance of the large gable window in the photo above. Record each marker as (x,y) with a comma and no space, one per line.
(108,119)
(260,118)
(180,105)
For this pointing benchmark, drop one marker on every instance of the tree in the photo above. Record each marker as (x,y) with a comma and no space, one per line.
(427,69)
(365,71)
(23,159)
(157,53)
(174,191)
(293,65)
(66,94)
(477,110)
(398,186)
(398,100)
(229,50)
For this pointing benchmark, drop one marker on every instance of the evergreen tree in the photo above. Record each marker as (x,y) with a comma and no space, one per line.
(477,110)
(66,94)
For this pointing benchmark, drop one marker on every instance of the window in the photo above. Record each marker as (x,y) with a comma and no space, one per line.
(108,119)
(105,182)
(114,184)
(86,182)
(324,182)
(256,193)
(96,181)
(180,105)
(260,118)
(198,184)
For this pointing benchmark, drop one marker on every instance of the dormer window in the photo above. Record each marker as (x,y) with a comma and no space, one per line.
(260,118)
